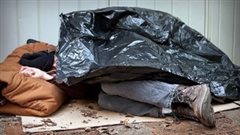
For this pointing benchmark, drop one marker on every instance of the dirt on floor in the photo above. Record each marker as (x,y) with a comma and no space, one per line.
(227,123)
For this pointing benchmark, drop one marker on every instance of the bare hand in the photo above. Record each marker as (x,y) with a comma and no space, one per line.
(35,73)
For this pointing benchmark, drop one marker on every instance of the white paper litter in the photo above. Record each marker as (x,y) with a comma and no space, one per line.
(224,107)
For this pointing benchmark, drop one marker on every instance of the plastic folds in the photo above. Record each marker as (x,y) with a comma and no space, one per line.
(122,44)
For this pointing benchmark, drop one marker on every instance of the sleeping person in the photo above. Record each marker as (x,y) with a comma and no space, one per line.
(151,98)
(42,65)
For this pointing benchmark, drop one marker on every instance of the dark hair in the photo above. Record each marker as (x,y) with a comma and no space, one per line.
(42,60)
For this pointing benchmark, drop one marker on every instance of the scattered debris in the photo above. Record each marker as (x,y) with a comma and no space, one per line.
(129,115)
(93,106)
(125,123)
(89,113)
(136,126)
(220,116)
(32,125)
(168,123)
(177,121)
(134,121)
(46,122)
(84,121)
(106,130)
(102,130)
(63,127)
(87,129)
(112,132)
(70,105)
(49,122)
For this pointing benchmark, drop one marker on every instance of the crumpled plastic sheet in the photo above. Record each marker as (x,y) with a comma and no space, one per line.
(123,44)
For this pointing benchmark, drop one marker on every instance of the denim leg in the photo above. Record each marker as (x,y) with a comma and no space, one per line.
(155,93)
(128,106)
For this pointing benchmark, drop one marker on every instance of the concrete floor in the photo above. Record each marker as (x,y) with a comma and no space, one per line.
(228,123)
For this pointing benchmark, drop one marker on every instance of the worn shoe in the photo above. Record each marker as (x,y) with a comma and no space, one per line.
(198,98)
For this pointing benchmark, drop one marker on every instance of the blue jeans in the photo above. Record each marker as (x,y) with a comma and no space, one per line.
(128,106)
(147,93)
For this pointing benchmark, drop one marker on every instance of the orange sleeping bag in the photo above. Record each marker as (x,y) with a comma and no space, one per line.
(26,95)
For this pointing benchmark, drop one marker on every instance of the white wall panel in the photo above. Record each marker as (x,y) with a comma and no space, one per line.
(8,27)
(164,5)
(236,33)
(223,27)
(27,20)
(66,6)
(128,3)
(226,27)
(146,3)
(92,4)
(196,15)
(214,21)
(49,21)
(181,10)
(218,20)
(103,3)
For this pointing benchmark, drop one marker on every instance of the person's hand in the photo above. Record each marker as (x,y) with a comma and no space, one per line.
(35,73)
(31,72)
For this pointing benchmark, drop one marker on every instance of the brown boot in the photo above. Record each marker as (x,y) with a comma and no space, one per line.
(198,98)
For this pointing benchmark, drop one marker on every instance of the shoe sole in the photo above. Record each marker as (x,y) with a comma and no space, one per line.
(206,110)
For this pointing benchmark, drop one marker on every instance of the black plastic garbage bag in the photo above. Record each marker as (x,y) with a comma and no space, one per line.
(122,43)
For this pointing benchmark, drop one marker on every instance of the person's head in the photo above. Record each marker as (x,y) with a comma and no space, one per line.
(42,60)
